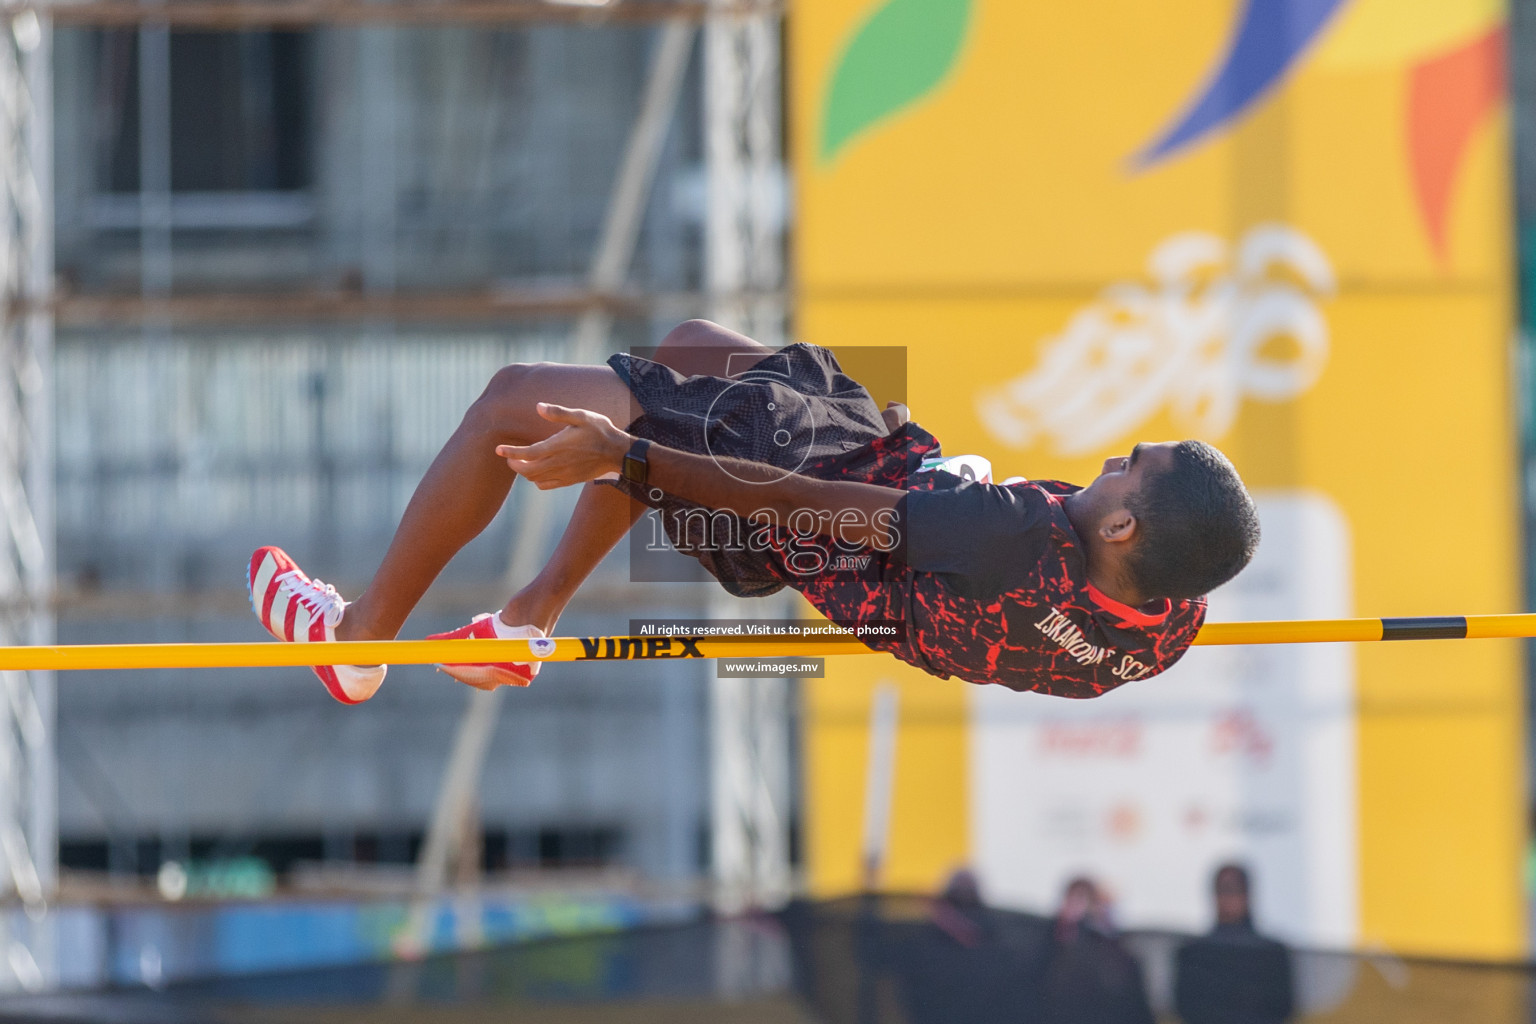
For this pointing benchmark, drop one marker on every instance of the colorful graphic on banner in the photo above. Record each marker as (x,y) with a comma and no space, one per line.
(1213,329)
(894,59)
(1270,36)
(1451,89)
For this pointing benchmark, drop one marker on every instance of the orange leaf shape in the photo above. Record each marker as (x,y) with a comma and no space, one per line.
(1449,95)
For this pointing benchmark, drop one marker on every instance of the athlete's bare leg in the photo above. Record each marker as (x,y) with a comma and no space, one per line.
(468,483)
(604,514)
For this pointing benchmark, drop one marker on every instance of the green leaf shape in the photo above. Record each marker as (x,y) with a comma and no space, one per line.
(898,56)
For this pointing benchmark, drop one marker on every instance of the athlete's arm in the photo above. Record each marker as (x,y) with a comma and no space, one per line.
(591,446)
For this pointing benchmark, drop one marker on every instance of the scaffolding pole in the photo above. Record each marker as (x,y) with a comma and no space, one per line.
(744,221)
(28,799)
(744,271)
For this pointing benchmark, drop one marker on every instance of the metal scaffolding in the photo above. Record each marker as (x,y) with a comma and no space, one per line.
(744,226)
(749,719)
(451,823)
(28,800)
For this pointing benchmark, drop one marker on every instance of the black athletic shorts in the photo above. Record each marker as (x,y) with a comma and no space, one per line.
(795,410)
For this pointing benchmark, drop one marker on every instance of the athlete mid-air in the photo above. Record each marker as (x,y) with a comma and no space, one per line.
(774,469)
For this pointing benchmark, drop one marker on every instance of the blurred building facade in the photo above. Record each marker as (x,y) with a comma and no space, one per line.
(289,260)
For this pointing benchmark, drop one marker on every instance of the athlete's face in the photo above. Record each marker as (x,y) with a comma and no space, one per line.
(1123,475)
(1100,515)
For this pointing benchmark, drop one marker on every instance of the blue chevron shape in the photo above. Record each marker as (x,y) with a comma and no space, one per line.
(1270,36)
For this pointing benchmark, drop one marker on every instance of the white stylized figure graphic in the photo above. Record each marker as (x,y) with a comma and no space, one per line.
(1213,327)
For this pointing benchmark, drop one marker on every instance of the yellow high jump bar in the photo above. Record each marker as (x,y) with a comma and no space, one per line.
(658,648)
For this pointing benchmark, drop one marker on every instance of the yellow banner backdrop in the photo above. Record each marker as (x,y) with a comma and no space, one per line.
(1280,226)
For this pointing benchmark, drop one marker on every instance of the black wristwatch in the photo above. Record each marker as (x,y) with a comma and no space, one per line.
(636,469)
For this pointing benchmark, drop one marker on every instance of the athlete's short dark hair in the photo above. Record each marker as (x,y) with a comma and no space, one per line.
(1197,523)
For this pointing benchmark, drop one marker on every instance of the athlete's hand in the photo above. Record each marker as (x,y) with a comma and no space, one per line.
(894,414)
(588,447)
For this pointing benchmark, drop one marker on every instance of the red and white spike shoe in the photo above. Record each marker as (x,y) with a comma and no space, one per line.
(488,626)
(297,609)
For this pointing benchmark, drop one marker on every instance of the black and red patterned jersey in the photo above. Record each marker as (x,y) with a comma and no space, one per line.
(991,584)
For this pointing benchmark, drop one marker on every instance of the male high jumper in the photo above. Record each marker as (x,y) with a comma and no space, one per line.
(774,469)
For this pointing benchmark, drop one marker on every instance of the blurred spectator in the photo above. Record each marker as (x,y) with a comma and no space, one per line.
(1088,976)
(958,911)
(1234,975)
(956,967)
